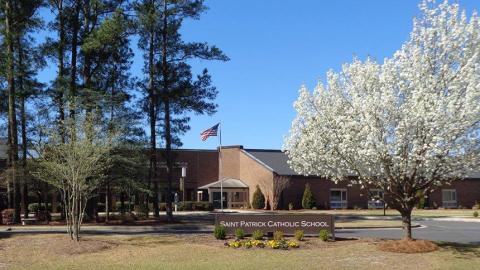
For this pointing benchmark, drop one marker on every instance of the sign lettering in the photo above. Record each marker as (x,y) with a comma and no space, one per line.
(287,223)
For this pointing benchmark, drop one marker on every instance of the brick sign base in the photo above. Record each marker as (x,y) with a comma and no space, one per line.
(287,223)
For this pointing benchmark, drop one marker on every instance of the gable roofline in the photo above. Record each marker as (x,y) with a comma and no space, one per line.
(257,160)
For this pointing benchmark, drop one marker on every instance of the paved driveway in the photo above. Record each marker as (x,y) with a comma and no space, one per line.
(431,229)
(435,230)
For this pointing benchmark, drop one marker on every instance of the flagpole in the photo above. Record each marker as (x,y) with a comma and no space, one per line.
(220,164)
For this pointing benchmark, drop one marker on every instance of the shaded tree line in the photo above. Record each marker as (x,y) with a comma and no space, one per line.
(89,47)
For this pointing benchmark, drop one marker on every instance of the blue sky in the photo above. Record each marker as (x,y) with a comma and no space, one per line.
(275,47)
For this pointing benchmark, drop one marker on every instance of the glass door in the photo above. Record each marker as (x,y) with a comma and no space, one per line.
(216,200)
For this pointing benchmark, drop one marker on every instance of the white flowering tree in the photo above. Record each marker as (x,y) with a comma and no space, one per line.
(406,125)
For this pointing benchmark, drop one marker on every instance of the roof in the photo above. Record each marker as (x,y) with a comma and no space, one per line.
(274,160)
(474,175)
(227,183)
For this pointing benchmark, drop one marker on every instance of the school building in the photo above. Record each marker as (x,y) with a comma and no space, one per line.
(243,169)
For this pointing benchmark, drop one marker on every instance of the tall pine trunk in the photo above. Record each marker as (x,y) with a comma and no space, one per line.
(23,119)
(12,116)
(88,103)
(9,181)
(73,65)
(168,135)
(61,71)
(153,126)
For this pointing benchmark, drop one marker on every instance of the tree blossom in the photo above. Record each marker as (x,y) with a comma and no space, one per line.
(407,125)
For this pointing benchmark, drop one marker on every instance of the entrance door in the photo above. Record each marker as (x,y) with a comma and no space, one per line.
(216,200)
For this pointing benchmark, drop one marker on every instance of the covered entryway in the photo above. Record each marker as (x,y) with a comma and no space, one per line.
(235,193)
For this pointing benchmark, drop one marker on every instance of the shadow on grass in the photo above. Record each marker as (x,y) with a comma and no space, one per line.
(5,235)
(460,250)
(151,241)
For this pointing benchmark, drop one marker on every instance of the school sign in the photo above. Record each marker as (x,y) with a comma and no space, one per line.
(287,223)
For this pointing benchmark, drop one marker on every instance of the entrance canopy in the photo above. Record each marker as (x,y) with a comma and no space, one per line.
(227,183)
(235,193)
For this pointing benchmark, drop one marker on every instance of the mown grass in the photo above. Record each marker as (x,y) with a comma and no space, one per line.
(202,252)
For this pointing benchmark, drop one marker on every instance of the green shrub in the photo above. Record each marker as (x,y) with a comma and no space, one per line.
(220,232)
(278,235)
(421,200)
(239,233)
(191,206)
(257,235)
(308,201)
(34,207)
(476,206)
(299,234)
(475,214)
(290,206)
(323,235)
(258,201)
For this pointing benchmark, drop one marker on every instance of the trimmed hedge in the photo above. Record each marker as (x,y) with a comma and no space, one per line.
(34,207)
(193,206)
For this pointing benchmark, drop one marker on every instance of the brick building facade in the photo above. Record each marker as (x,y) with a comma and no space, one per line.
(243,169)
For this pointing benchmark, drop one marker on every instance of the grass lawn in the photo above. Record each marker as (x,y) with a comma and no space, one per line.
(203,252)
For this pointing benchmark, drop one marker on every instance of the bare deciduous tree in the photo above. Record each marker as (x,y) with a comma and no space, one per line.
(280,183)
(76,167)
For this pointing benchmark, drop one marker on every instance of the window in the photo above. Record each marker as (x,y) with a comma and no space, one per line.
(449,198)
(375,198)
(338,198)
(199,196)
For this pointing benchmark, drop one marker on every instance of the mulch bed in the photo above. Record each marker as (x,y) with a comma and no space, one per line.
(407,246)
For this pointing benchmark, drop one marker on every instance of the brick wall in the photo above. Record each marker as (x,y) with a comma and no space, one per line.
(253,174)
(468,192)
(237,164)
(321,187)
(202,169)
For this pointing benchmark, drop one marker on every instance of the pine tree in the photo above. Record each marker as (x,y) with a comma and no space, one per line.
(258,201)
(308,200)
(172,89)
(18,19)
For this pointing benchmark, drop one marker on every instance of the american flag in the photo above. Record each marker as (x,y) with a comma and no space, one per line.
(209,132)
